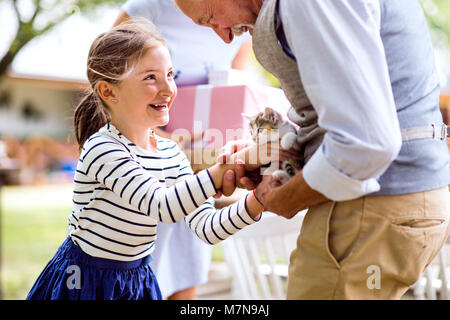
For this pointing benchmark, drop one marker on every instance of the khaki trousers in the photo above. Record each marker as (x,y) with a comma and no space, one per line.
(369,248)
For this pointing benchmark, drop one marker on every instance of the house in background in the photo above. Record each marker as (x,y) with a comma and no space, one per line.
(46,77)
(33,105)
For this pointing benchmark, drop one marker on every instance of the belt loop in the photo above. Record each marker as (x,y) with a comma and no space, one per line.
(444,132)
(439,134)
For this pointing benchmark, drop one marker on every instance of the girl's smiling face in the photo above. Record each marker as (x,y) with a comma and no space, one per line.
(145,96)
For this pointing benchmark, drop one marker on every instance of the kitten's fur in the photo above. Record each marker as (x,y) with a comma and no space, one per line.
(261,127)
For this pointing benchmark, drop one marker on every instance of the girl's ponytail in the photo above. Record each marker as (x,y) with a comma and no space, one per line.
(90,115)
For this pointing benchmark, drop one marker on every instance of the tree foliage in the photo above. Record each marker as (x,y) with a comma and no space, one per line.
(45,14)
(438,16)
(40,16)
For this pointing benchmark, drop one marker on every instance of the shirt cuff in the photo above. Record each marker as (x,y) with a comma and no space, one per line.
(321,176)
(257,218)
(206,183)
(244,211)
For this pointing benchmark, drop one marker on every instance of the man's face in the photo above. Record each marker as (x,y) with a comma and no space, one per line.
(225,17)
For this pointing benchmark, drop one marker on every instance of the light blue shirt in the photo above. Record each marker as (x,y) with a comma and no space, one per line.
(346,77)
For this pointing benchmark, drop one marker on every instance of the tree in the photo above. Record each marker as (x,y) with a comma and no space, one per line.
(438,16)
(43,16)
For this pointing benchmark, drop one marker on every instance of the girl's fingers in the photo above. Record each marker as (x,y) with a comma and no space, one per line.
(229,183)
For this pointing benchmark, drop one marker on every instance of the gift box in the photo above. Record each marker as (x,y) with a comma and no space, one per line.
(231,77)
(217,111)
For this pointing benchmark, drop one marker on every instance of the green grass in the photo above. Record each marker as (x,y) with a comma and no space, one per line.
(34,220)
(33,226)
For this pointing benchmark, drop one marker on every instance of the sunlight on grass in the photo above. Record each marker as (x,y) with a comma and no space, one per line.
(33,226)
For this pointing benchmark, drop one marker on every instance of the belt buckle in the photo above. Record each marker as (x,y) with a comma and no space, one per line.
(439,134)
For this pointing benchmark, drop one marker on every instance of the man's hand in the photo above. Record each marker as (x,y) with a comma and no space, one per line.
(249,157)
(241,178)
(231,148)
(238,178)
(288,199)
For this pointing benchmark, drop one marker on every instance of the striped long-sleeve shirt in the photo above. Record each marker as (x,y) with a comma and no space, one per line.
(122,191)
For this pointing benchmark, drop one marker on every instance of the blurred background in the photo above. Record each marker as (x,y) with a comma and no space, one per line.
(43,52)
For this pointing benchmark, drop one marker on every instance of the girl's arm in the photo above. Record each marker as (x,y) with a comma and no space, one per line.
(212,225)
(109,162)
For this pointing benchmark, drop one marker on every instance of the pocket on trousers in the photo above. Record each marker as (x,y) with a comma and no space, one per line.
(343,230)
(419,223)
(416,239)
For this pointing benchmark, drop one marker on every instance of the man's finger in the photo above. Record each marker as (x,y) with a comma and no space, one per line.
(223,158)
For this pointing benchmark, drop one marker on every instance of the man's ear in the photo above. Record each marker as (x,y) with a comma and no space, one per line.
(106,91)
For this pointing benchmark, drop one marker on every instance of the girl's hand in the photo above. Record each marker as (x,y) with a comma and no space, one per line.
(228,184)
(234,176)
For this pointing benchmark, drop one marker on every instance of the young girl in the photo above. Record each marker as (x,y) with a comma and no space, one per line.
(128,179)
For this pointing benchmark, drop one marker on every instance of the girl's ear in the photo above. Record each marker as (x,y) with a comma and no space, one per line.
(106,92)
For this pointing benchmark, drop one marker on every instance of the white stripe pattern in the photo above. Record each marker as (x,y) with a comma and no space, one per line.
(122,191)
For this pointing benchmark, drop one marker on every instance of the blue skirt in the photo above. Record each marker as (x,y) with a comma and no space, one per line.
(74,275)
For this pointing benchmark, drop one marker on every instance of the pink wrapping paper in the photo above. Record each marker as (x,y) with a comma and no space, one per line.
(217,110)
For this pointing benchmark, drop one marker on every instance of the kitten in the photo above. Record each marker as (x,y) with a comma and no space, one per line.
(264,127)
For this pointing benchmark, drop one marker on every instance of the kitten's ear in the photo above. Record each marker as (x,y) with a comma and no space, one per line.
(268,111)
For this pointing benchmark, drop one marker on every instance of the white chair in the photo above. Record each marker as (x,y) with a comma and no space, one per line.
(258,257)
(436,278)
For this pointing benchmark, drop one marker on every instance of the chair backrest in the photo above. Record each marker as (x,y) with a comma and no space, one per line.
(258,257)
(434,283)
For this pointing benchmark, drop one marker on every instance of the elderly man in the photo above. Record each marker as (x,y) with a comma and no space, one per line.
(362,83)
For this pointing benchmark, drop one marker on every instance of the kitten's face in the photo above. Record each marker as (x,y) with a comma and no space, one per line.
(263,123)
(291,167)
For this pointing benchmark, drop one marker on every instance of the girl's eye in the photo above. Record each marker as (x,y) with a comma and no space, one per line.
(150,77)
(171,75)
